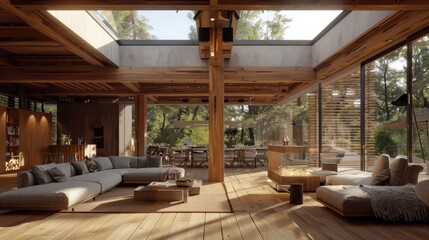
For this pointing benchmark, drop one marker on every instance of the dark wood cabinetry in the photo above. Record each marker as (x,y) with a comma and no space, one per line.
(25,135)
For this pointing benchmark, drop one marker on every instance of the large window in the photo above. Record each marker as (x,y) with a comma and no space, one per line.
(387,76)
(420,80)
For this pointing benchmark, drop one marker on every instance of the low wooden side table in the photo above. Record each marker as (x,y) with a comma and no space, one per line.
(330,166)
(166,191)
(310,183)
(296,193)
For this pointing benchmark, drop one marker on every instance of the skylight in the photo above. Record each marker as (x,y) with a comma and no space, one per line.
(253,25)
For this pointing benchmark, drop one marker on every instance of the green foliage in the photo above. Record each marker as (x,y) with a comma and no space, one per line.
(231,135)
(132,25)
(421,72)
(192,35)
(251,26)
(384,143)
(389,84)
(276,27)
(161,130)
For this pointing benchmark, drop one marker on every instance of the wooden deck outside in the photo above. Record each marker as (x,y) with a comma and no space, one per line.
(259,213)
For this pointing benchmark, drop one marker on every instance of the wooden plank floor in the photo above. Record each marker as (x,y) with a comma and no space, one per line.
(259,213)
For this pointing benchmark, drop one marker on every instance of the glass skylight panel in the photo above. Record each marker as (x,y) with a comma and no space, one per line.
(283,25)
(252,25)
(150,25)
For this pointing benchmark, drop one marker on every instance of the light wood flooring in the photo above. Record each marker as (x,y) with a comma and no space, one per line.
(259,213)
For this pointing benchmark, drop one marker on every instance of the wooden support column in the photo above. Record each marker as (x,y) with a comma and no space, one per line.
(140,124)
(216,104)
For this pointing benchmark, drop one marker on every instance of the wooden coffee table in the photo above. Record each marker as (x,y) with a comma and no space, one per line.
(166,191)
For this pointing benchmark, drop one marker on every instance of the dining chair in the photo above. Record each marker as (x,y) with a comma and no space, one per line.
(199,157)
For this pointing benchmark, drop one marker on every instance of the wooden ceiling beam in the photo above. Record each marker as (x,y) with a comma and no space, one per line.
(394,30)
(155,74)
(52,28)
(28,44)
(222,5)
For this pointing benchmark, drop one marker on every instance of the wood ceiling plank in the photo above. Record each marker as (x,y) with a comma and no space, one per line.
(5,58)
(135,87)
(107,86)
(393,30)
(52,28)
(222,5)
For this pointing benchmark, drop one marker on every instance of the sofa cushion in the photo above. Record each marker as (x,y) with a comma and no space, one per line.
(103,163)
(351,177)
(398,171)
(106,180)
(154,161)
(26,179)
(57,174)
(133,162)
(422,191)
(382,163)
(120,162)
(381,178)
(41,173)
(346,200)
(147,175)
(141,162)
(80,167)
(52,196)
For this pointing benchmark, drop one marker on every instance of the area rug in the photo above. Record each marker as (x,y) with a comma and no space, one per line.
(212,198)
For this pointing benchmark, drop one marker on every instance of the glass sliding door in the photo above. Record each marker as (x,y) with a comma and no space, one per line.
(386,82)
(420,80)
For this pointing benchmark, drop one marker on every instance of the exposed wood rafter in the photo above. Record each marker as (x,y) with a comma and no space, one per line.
(386,34)
(46,24)
(223,5)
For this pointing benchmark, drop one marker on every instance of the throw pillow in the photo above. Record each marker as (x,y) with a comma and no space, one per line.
(41,173)
(57,175)
(398,169)
(381,164)
(80,167)
(92,166)
(412,173)
(103,163)
(66,168)
(382,178)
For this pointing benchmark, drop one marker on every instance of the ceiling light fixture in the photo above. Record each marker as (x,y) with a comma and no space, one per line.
(212,19)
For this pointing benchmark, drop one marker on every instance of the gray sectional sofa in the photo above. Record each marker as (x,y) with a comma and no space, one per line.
(61,186)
